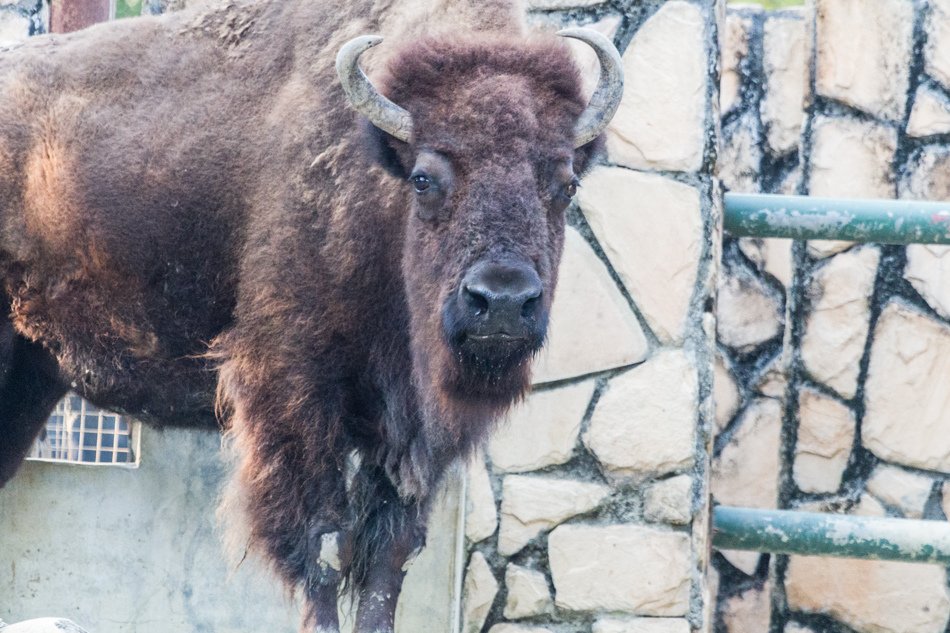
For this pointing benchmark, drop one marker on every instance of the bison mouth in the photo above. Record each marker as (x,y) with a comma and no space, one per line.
(496,319)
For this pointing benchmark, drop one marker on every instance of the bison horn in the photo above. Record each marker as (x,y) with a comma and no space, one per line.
(606,99)
(380,111)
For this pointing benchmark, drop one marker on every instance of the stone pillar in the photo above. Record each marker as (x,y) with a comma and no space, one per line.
(590,508)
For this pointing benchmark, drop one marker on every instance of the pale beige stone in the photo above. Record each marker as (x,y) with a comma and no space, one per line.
(864,54)
(868,506)
(479,593)
(931,113)
(746,472)
(870,596)
(773,382)
(542,431)
(546,5)
(670,500)
(740,157)
(629,568)
(837,328)
(820,249)
(481,516)
(725,392)
(791,186)
(528,593)
(745,561)
(749,611)
(645,421)
(591,328)
(825,437)
(901,489)
(641,625)
(928,175)
(661,120)
(928,270)
(507,627)
(907,416)
(651,229)
(531,505)
(774,256)
(735,48)
(785,73)
(791,627)
(13,28)
(850,158)
(748,313)
(937,50)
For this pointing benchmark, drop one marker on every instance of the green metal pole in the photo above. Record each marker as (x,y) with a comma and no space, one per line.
(814,534)
(807,218)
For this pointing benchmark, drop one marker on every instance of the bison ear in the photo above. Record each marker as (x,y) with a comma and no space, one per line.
(387,151)
(588,155)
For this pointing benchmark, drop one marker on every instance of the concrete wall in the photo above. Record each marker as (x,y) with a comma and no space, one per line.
(831,381)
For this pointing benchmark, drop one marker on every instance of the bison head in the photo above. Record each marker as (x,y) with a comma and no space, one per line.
(490,135)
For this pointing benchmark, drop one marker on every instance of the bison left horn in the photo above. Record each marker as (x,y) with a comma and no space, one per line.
(606,98)
(380,111)
(396,121)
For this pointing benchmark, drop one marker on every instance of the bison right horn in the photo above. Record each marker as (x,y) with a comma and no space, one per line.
(606,98)
(380,111)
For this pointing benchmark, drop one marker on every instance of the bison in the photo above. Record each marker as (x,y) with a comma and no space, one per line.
(217,215)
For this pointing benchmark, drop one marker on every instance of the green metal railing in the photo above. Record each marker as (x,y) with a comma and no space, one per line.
(807,533)
(807,218)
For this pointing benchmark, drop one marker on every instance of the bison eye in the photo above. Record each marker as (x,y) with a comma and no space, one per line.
(421,183)
(571,188)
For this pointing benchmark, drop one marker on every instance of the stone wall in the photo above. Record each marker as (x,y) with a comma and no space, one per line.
(830,379)
(589,511)
(22,18)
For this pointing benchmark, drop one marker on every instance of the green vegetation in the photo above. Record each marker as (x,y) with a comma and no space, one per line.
(128,8)
(771,4)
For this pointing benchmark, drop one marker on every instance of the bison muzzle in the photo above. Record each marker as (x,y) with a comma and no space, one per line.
(219,212)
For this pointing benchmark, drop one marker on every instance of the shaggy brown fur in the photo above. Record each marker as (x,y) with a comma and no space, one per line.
(188,204)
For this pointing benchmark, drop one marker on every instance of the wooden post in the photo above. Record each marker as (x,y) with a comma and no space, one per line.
(72,15)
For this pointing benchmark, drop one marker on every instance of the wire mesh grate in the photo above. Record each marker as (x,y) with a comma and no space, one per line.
(79,432)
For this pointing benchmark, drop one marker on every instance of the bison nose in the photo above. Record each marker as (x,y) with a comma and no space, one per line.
(501,295)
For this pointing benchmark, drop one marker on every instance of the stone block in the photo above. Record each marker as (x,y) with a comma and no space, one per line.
(627,568)
(592,327)
(661,120)
(748,312)
(927,176)
(725,393)
(773,256)
(640,625)
(669,500)
(531,505)
(864,53)
(735,49)
(870,596)
(645,421)
(837,327)
(851,158)
(507,627)
(528,593)
(481,516)
(928,270)
(746,471)
(868,506)
(651,229)
(542,431)
(749,611)
(937,50)
(931,113)
(740,158)
(13,28)
(901,489)
(907,414)
(786,78)
(479,593)
(42,625)
(825,437)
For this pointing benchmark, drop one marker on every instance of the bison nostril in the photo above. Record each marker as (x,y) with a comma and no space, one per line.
(476,300)
(530,307)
